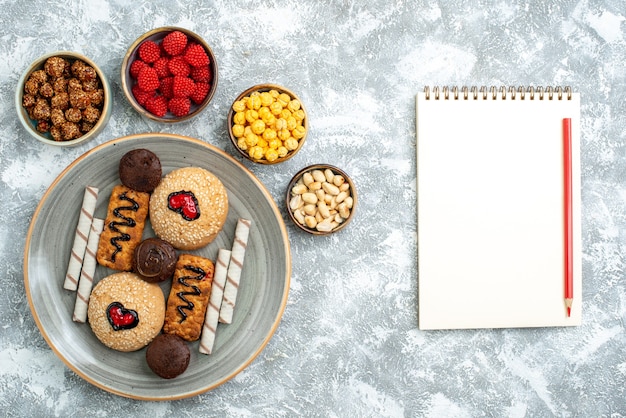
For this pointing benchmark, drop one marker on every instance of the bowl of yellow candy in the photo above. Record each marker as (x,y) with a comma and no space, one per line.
(267,124)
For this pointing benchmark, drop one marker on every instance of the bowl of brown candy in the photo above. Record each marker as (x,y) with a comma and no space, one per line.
(63,99)
(321,199)
(169,74)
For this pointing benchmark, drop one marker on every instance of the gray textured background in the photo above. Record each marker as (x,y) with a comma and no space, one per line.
(348,344)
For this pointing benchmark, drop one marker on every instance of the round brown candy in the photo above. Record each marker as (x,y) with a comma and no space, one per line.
(168,356)
(155,260)
(140,170)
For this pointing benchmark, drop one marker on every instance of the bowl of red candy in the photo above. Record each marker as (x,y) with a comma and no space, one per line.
(169,74)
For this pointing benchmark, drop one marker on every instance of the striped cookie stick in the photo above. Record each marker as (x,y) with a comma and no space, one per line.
(234,270)
(80,238)
(215,302)
(89,268)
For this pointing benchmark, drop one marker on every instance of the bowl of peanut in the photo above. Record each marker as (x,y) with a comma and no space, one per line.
(63,98)
(321,199)
(267,124)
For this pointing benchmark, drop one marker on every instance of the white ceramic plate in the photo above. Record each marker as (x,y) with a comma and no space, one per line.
(262,294)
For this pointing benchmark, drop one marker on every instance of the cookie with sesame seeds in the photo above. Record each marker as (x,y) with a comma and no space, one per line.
(189,208)
(125,312)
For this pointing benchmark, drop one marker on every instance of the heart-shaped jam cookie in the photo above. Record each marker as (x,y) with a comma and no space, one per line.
(120,317)
(184,203)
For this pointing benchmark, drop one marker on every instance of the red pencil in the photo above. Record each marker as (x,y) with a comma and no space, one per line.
(567,214)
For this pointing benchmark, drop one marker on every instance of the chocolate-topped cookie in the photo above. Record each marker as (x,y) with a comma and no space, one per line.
(168,356)
(155,260)
(140,169)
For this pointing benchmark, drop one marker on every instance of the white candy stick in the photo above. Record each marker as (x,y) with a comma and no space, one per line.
(234,270)
(215,302)
(80,238)
(85,283)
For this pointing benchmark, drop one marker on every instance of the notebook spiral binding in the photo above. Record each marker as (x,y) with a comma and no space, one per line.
(493,93)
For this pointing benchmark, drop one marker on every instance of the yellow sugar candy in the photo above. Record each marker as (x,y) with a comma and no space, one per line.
(283,99)
(258,126)
(239,118)
(282,151)
(284,134)
(251,140)
(266,99)
(285,113)
(281,124)
(271,154)
(269,119)
(239,106)
(274,143)
(254,102)
(255,152)
(238,131)
(291,144)
(264,111)
(251,115)
(293,105)
(269,134)
(298,114)
(276,108)
(291,123)
(298,132)
(262,143)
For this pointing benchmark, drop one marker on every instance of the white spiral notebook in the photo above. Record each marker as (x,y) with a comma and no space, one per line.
(491,193)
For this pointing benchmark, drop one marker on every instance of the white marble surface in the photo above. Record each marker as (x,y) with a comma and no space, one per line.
(348,344)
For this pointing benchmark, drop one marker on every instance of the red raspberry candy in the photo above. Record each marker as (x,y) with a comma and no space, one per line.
(140,95)
(161,67)
(149,51)
(157,105)
(196,56)
(200,92)
(201,74)
(174,42)
(179,106)
(165,87)
(178,66)
(183,86)
(135,67)
(148,80)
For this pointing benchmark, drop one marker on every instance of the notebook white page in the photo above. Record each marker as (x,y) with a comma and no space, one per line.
(490,212)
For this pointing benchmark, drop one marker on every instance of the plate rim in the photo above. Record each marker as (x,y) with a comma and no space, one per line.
(286,287)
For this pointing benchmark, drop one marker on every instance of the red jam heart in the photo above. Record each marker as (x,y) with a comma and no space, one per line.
(120,317)
(184,203)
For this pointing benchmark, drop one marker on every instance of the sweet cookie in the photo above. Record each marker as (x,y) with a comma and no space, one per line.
(123,228)
(126,312)
(140,169)
(189,297)
(155,260)
(188,208)
(168,356)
